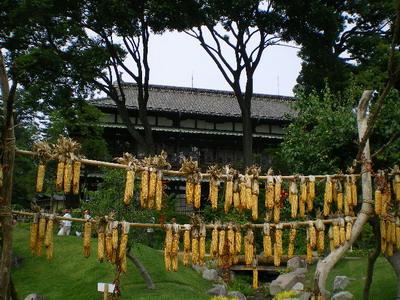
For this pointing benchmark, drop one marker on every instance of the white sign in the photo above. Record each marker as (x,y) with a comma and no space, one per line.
(101,285)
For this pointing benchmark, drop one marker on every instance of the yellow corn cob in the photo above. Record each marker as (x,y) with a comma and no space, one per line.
(189,191)
(384,205)
(292,238)
(214,243)
(277,189)
(303,198)
(86,239)
(144,188)
(129,185)
(48,241)
(249,199)
(254,208)
(398,236)
(342,230)
(383,245)
(293,198)
(60,176)
(186,247)
(383,229)
(174,262)
(249,247)
(242,191)
(168,240)
(309,253)
(328,190)
(115,238)
(277,257)
(197,195)
(40,238)
(396,186)
(175,251)
(159,193)
(389,249)
(269,192)
(67,177)
(326,208)
(228,195)
(185,258)
(100,246)
(255,279)
(310,193)
(388,232)
(211,196)
(109,249)
(152,188)
(238,241)
(76,177)
(231,240)
(354,196)
(347,198)
(378,202)
(221,242)
(278,238)
(122,246)
(202,250)
(336,235)
(195,251)
(349,227)
(40,178)
(334,191)
(49,252)
(236,200)
(319,225)
(339,195)
(267,245)
(167,260)
(312,235)
(123,264)
(277,213)
(33,236)
(393,231)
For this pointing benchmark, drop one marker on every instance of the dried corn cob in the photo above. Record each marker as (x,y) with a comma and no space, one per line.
(67,177)
(312,235)
(293,198)
(292,238)
(86,238)
(339,192)
(327,195)
(48,241)
(342,231)
(267,243)
(319,225)
(60,176)
(334,191)
(277,189)
(231,240)
(236,192)
(388,232)
(349,227)
(129,186)
(40,238)
(389,249)
(108,241)
(311,192)
(277,257)
(255,279)
(221,242)
(189,190)
(354,196)
(39,179)
(393,231)
(347,197)
(270,192)
(124,241)
(144,188)
(186,245)
(238,241)
(278,238)
(76,177)
(228,195)
(396,185)
(159,190)
(336,234)
(195,246)
(202,244)
(213,193)
(249,199)
(100,246)
(115,235)
(214,243)
(277,213)
(378,201)
(254,208)
(168,247)
(34,233)
(197,191)
(309,253)
(175,247)
(152,188)
(398,233)
(242,191)
(249,247)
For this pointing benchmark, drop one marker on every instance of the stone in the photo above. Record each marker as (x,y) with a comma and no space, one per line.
(342,296)
(211,275)
(339,283)
(199,269)
(237,295)
(298,288)
(217,290)
(296,262)
(34,297)
(305,296)
(285,282)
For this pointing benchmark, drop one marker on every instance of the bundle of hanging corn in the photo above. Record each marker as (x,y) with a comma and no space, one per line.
(48,241)
(277,199)
(248,182)
(215,174)
(328,196)
(354,195)
(87,233)
(221,245)
(186,244)
(34,233)
(382,225)
(41,235)
(195,245)
(242,192)
(389,238)
(236,190)
(190,168)
(396,181)
(66,152)
(339,194)
(311,241)
(168,247)
(336,233)
(254,172)
(175,248)
(123,245)
(115,242)
(43,151)
(278,247)
(229,172)
(310,192)
(303,197)
(108,241)
(379,187)
(230,240)
(319,225)
(293,199)
(132,164)
(202,243)
(342,231)
(145,182)
(386,199)
(267,242)
(238,244)
(270,192)
(101,242)
(214,241)
(249,246)
(349,227)
(348,201)
(160,164)
(292,238)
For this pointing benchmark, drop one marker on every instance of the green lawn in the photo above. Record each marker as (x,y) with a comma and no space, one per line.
(71,276)
(383,284)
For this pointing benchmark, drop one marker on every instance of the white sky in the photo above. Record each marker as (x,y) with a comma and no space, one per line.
(175,57)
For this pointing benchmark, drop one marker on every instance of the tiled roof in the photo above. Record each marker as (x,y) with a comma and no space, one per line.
(204,102)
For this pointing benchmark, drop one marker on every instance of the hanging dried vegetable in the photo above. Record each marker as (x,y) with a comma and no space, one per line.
(101,227)
(175,249)
(87,233)
(396,182)
(214,242)
(348,202)
(267,242)
(310,192)
(215,174)
(292,238)
(339,192)
(186,244)
(34,233)
(328,195)
(189,168)
(123,244)
(319,225)
(168,247)
(43,151)
(249,246)
(132,164)
(293,199)
(229,172)
(270,192)
(342,231)
(354,196)
(303,197)
(202,244)
(48,241)
(254,172)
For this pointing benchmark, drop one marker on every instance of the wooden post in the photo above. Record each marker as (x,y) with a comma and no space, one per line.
(105,291)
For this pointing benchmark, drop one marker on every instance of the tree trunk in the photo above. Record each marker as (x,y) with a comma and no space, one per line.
(8,143)
(394,260)
(372,257)
(245,108)
(143,272)
(324,266)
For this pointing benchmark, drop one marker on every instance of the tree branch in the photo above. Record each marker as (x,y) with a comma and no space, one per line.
(395,136)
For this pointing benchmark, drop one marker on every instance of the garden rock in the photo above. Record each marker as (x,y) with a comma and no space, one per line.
(211,275)
(305,296)
(218,290)
(285,282)
(237,295)
(340,283)
(199,269)
(298,288)
(342,296)
(34,297)
(296,262)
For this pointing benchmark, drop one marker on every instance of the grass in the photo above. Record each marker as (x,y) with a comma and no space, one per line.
(71,276)
(383,284)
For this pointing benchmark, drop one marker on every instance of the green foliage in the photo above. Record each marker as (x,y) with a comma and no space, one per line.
(242,284)
(285,295)
(222,298)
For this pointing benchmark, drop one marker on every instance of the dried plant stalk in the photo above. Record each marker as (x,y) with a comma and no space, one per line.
(144,188)
(129,186)
(67,177)
(60,176)
(86,239)
(40,178)
(76,177)
(152,188)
